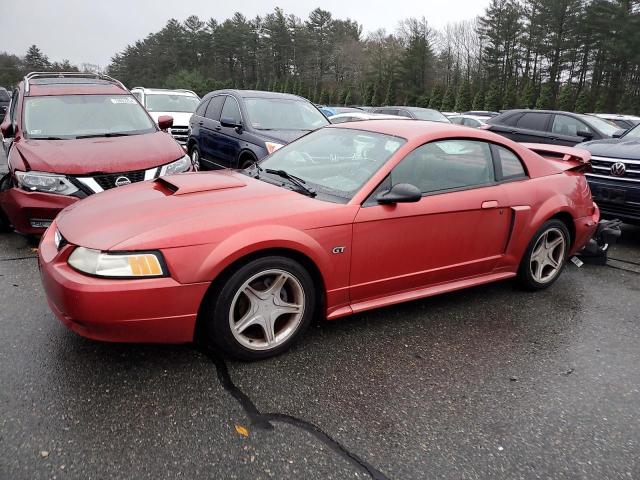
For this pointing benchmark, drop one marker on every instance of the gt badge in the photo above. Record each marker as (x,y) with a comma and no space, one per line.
(338,250)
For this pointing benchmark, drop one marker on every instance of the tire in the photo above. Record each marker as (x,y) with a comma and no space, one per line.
(194,154)
(545,256)
(271,287)
(245,162)
(5,224)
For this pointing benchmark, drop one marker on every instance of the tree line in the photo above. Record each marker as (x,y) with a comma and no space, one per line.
(579,55)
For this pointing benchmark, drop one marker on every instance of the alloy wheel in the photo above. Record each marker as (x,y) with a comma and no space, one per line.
(267,310)
(547,256)
(195,159)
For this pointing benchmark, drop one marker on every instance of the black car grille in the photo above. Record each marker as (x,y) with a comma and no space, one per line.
(180,134)
(108,180)
(602,168)
(628,209)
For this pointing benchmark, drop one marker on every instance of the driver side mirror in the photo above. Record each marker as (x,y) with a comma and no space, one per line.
(7,130)
(584,134)
(400,193)
(230,122)
(165,121)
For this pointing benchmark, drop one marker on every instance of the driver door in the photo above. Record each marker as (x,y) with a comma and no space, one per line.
(458,229)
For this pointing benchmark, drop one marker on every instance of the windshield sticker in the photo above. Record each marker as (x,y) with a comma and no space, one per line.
(128,100)
(391,146)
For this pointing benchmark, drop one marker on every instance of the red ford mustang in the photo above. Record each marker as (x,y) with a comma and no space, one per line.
(348,218)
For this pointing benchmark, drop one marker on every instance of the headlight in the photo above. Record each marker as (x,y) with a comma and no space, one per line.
(181,165)
(45,182)
(272,147)
(118,265)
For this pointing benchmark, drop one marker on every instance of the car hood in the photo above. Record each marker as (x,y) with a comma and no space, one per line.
(180,119)
(187,209)
(614,147)
(281,136)
(99,155)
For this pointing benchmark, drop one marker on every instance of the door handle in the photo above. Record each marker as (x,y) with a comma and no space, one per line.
(489,204)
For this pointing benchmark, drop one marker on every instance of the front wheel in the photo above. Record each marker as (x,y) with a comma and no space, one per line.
(195,158)
(261,309)
(545,256)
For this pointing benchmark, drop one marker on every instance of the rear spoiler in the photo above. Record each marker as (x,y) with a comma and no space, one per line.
(573,158)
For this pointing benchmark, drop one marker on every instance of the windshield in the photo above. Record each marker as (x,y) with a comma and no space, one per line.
(165,102)
(603,126)
(335,161)
(70,116)
(432,115)
(283,114)
(633,133)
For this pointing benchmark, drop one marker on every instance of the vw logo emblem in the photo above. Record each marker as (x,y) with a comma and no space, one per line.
(120,181)
(618,169)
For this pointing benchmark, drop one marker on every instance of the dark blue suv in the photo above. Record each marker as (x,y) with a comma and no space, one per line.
(235,128)
(615,179)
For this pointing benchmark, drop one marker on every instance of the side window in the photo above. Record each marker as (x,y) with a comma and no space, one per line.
(512,120)
(214,107)
(138,95)
(534,121)
(457,120)
(342,119)
(231,110)
(446,165)
(565,125)
(202,107)
(13,108)
(509,165)
(404,113)
(471,122)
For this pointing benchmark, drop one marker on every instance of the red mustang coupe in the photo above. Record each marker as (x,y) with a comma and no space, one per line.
(348,218)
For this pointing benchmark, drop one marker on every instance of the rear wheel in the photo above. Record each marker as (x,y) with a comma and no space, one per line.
(5,184)
(545,256)
(246,161)
(261,309)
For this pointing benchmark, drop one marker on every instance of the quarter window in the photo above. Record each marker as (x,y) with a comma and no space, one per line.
(446,165)
(534,121)
(509,164)
(231,110)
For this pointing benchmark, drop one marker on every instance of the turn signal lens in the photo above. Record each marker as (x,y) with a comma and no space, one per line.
(117,265)
(272,147)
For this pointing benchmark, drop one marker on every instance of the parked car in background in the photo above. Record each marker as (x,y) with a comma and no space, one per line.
(548,126)
(349,218)
(357,116)
(623,121)
(234,128)
(450,114)
(417,113)
(485,114)
(76,134)
(179,104)
(615,179)
(5,99)
(469,120)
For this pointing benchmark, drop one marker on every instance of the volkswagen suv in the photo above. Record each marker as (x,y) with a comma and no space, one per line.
(72,135)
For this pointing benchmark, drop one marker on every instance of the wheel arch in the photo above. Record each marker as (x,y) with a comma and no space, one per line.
(246,154)
(282,251)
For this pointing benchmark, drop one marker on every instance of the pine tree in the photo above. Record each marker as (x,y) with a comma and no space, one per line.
(463,99)
(493,100)
(546,100)
(286,87)
(510,97)
(35,60)
(449,100)
(258,84)
(565,101)
(478,100)
(423,101)
(375,98)
(601,103)
(435,99)
(347,97)
(527,95)
(390,99)
(583,103)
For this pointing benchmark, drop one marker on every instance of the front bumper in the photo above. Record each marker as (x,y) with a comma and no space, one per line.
(158,310)
(617,199)
(26,209)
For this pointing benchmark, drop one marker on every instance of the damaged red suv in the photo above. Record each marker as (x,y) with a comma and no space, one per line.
(72,135)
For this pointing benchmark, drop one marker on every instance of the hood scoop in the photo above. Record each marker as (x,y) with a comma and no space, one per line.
(184,183)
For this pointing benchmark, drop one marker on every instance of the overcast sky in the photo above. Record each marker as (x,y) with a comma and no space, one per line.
(92,31)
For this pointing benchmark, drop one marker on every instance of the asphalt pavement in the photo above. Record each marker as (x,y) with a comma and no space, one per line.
(490,382)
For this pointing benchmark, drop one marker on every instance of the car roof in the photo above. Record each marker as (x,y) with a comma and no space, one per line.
(255,94)
(614,116)
(408,108)
(177,91)
(73,86)
(405,128)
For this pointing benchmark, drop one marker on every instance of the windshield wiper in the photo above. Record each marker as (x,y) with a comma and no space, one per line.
(300,183)
(108,134)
